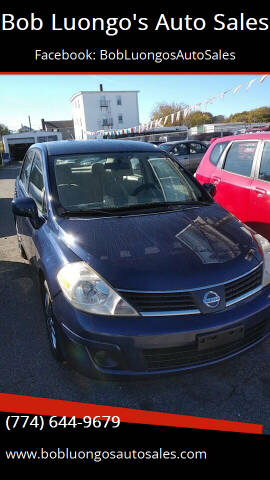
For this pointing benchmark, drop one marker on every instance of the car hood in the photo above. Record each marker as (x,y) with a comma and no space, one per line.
(188,248)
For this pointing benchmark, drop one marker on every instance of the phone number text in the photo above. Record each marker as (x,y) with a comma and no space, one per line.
(40,422)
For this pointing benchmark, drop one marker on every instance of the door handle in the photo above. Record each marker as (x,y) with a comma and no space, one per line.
(260,192)
(216,180)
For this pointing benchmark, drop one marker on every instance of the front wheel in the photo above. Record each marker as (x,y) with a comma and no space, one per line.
(51,323)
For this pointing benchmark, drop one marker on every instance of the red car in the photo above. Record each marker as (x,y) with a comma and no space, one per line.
(239,167)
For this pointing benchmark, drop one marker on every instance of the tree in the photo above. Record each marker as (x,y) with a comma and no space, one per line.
(162,110)
(257,115)
(3,130)
(242,117)
(219,119)
(261,114)
(198,118)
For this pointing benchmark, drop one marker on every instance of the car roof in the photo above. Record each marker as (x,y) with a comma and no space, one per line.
(67,147)
(179,141)
(243,136)
(190,140)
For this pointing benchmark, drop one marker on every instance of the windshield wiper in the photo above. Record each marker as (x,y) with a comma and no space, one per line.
(136,206)
(151,205)
(93,211)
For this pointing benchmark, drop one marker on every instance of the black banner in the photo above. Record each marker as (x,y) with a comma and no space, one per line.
(63,442)
(90,40)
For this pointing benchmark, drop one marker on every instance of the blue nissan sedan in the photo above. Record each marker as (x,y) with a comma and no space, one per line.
(141,272)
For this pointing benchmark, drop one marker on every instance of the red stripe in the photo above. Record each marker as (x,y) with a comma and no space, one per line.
(44,406)
(134,73)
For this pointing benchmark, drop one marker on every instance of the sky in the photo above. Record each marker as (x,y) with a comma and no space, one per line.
(48,96)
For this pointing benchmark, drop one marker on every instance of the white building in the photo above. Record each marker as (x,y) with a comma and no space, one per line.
(112,110)
(16,144)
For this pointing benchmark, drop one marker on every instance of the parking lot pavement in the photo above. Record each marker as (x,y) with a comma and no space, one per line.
(238,389)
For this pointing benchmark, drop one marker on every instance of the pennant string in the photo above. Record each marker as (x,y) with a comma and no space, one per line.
(185,112)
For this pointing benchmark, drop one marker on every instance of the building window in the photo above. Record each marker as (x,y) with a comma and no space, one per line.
(103,102)
(107,122)
(120,118)
(119,100)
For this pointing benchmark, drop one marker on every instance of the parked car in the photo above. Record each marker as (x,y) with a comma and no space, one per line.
(141,272)
(188,152)
(258,129)
(239,167)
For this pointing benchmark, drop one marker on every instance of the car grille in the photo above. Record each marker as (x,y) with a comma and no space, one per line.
(184,302)
(244,285)
(160,302)
(177,357)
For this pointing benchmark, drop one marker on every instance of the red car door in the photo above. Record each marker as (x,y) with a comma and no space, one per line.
(259,211)
(233,180)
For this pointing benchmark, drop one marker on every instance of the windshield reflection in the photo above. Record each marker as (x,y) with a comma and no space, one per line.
(207,241)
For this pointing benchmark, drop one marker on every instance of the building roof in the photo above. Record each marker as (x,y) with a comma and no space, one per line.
(186,140)
(102,92)
(30,134)
(59,123)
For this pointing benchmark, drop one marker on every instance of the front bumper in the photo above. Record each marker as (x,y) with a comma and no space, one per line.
(147,346)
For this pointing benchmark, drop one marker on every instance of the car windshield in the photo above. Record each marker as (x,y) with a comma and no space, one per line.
(122,181)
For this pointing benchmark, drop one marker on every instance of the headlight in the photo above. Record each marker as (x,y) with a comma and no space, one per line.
(264,247)
(88,292)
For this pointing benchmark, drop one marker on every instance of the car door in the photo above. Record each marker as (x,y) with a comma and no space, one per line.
(36,191)
(196,153)
(181,152)
(259,211)
(234,176)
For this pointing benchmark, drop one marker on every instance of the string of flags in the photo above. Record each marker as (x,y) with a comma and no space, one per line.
(161,122)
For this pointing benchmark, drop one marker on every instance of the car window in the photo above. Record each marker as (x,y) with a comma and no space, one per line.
(181,149)
(24,176)
(240,158)
(196,148)
(36,181)
(264,173)
(217,151)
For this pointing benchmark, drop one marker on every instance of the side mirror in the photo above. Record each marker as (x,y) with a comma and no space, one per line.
(210,188)
(24,207)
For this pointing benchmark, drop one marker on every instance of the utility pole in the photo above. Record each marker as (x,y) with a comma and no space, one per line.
(29,122)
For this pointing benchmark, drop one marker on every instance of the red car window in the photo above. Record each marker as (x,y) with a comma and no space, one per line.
(240,158)
(264,173)
(217,151)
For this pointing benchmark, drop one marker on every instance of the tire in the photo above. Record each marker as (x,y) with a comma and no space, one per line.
(51,324)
